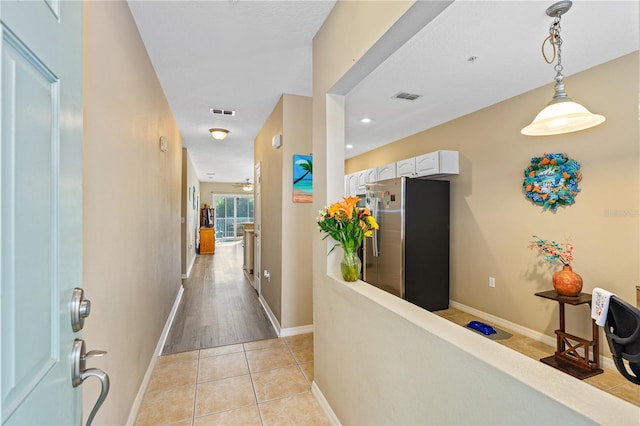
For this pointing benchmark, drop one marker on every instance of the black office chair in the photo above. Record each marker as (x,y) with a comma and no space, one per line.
(622,328)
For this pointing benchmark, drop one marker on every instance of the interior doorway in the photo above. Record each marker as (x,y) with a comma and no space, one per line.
(231,212)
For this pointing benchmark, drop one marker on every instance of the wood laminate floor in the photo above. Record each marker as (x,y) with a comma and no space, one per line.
(219,306)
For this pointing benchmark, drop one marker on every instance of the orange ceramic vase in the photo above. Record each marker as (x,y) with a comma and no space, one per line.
(567,282)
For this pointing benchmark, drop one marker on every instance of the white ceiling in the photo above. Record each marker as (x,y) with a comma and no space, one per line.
(243,55)
(238,55)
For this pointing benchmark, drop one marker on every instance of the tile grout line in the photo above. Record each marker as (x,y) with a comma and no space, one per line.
(253,386)
(298,363)
(195,389)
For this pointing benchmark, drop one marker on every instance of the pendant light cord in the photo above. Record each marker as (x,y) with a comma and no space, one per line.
(556,42)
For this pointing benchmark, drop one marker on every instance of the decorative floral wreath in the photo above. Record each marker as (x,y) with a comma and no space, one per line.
(552,180)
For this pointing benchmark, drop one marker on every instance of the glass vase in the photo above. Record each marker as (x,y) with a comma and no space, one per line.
(350,267)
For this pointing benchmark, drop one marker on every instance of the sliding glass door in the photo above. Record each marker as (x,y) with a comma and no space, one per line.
(231,212)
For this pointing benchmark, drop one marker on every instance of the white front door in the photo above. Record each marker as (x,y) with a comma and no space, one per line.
(41,214)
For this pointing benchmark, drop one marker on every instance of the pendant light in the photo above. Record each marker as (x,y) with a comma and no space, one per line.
(562,114)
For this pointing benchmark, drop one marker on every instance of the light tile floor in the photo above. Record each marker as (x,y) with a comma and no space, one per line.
(611,381)
(267,382)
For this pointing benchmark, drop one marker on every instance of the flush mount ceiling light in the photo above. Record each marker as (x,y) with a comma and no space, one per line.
(219,134)
(562,114)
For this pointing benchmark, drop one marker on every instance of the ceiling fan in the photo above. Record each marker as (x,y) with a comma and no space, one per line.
(246,186)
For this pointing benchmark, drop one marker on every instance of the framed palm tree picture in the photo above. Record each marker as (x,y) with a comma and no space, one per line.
(302,178)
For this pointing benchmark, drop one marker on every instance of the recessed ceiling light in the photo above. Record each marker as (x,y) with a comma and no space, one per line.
(349,146)
(366,120)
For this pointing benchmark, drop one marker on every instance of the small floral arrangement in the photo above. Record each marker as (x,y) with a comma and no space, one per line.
(346,223)
(553,251)
(552,180)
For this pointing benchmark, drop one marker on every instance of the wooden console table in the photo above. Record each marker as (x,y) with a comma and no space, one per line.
(567,357)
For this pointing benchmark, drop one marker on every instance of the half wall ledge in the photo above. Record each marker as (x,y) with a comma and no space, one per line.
(414,366)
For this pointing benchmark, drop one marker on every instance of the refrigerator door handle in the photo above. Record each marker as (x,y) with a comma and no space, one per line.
(376,232)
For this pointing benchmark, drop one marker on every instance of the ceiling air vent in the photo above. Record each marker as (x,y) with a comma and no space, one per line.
(406,96)
(225,112)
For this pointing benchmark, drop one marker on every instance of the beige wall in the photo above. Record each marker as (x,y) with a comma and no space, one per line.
(381,360)
(286,226)
(298,219)
(492,221)
(131,206)
(271,208)
(190,217)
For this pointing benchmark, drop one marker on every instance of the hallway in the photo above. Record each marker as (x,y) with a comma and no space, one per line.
(222,362)
(218,307)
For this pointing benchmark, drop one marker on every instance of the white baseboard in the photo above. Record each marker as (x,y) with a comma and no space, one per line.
(188,274)
(283,332)
(169,322)
(137,402)
(293,331)
(270,314)
(324,404)
(535,335)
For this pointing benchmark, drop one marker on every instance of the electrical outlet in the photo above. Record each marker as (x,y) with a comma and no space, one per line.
(492,282)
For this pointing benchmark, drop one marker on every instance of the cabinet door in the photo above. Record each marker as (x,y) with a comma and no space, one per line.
(449,162)
(352,182)
(427,164)
(406,167)
(207,241)
(361,180)
(388,171)
(371,175)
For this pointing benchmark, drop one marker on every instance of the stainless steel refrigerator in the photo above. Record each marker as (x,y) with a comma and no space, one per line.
(409,255)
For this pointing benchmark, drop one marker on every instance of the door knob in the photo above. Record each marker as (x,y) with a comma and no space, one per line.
(80,373)
(80,309)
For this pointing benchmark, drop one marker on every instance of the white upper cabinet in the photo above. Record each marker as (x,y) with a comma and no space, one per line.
(350,184)
(388,171)
(371,175)
(361,181)
(438,163)
(406,167)
(427,164)
(435,163)
(364,177)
